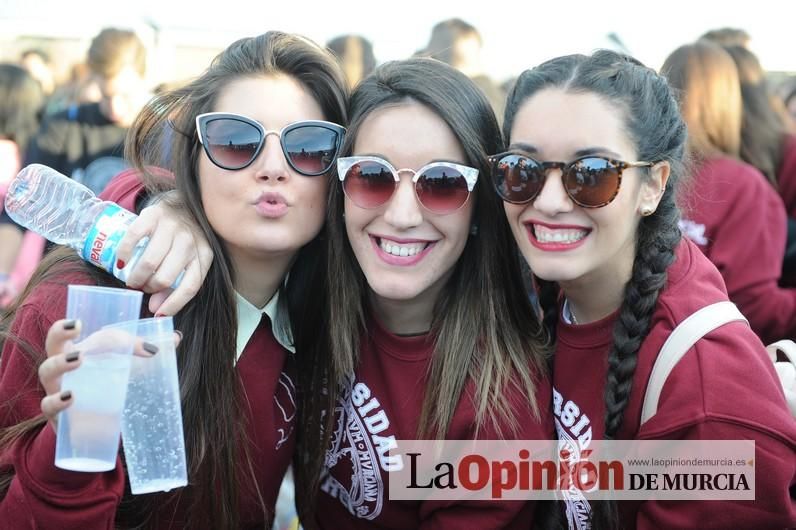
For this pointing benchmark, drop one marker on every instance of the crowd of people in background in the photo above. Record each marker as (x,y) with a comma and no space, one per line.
(724,179)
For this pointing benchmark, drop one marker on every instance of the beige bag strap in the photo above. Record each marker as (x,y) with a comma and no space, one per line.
(682,338)
(786,370)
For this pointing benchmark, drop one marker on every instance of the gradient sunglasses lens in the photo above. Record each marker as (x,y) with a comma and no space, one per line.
(369,184)
(517,179)
(310,148)
(231,143)
(592,182)
(442,189)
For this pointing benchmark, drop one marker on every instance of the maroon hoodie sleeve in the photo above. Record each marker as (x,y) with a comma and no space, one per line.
(775,475)
(748,246)
(40,495)
(786,176)
(124,189)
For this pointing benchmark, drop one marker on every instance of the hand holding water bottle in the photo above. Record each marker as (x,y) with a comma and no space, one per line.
(175,245)
(103,233)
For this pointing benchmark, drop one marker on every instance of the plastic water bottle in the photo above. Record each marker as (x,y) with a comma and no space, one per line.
(67,213)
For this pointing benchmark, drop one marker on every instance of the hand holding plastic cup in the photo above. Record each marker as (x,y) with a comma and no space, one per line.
(152,433)
(88,431)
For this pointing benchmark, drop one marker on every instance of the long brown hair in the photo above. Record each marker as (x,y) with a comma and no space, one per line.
(163,134)
(710,97)
(763,128)
(484,328)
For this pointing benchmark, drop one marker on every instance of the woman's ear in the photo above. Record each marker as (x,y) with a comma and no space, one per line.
(652,188)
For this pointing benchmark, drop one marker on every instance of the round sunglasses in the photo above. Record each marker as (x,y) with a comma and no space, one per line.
(232,141)
(440,187)
(590,181)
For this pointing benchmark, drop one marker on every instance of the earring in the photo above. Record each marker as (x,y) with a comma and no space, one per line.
(474,229)
(647,211)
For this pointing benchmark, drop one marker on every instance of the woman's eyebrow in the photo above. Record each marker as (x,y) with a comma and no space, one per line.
(528,148)
(596,151)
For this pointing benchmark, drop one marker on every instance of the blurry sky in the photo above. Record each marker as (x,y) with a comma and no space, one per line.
(516,34)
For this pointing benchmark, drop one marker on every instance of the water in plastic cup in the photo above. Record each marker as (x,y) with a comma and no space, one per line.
(152,434)
(88,431)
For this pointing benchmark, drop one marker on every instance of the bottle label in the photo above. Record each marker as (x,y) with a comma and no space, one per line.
(103,238)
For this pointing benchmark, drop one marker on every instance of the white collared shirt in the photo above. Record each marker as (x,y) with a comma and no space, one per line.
(566,312)
(249,318)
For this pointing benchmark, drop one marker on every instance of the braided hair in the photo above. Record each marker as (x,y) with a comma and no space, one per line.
(653,122)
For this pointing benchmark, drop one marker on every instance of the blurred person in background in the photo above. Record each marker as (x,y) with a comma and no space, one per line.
(37,63)
(767,143)
(86,141)
(728,37)
(457,43)
(789,98)
(79,89)
(731,212)
(21,101)
(355,54)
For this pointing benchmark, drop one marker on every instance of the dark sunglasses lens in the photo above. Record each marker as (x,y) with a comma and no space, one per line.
(517,178)
(369,184)
(231,144)
(592,182)
(311,149)
(442,189)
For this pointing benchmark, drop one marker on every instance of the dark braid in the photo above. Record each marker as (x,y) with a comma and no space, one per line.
(658,236)
(653,122)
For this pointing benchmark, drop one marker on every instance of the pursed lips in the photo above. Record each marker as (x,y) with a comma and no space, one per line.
(271,197)
(271,205)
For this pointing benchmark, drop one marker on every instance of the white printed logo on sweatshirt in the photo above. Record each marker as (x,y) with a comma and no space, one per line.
(693,231)
(574,436)
(359,452)
(285,401)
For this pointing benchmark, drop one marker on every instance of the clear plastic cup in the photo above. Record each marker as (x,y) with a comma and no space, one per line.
(88,431)
(152,434)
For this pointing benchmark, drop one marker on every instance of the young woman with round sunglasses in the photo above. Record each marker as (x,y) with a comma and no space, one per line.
(591,203)
(430,331)
(253,180)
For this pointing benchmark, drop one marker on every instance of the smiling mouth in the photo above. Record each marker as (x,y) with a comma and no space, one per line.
(402,250)
(561,236)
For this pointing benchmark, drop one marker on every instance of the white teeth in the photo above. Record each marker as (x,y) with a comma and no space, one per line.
(547,235)
(401,249)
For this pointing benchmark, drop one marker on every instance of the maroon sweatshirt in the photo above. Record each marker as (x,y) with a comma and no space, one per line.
(739,222)
(724,388)
(786,176)
(42,496)
(382,403)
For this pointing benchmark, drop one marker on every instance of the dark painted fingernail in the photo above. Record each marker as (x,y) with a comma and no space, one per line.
(179,333)
(70,324)
(159,315)
(119,264)
(150,348)
(72,357)
(66,395)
